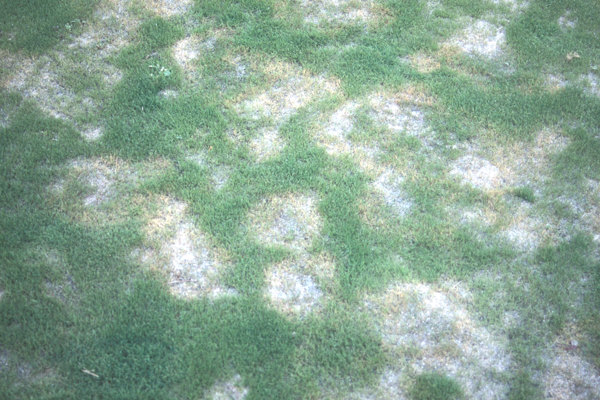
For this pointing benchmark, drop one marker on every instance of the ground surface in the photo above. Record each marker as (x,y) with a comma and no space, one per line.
(328,199)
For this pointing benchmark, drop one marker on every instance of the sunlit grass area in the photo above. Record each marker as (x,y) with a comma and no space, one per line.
(301,199)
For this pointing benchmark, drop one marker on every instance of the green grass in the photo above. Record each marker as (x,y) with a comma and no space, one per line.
(75,297)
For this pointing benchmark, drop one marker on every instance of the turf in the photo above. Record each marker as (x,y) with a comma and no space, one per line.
(175,188)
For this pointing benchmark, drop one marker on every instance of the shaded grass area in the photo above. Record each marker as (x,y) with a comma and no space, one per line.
(143,343)
(34,25)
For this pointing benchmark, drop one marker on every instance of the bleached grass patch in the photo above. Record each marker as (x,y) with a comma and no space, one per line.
(424,63)
(388,185)
(232,389)
(434,325)
(100,191)
(186,51)
(555,82)
(103,177)
(566,21)
(404,113)
(478,172)
(291,290)
(169,8)
(267,144)
(509,165)
(291,89)
(43,80)
(569,376)
(524,230)
(480,38)
(334,137)
(192,265)
(320,12)
(591,84)
(291,221)
(219,174)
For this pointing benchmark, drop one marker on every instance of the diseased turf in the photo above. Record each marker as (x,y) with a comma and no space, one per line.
(273,199)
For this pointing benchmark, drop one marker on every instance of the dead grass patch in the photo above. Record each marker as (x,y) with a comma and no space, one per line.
(424,63)
(388,185)
(569,376)
(267,144)
(191,264)
(433,325)
(102,190)
(291,88)
(566,21)
(232,389)
(291,290)
(168,8)
(219,174)
(291,221)
(44,79)
(480,38)
(299,286)
(320,12)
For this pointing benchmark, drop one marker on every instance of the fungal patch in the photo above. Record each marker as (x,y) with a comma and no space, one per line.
(292,89)
(320,12)
(291,290)
(333,136)
(42,79)
(103,177)
(169,8)
(481,38)
(591,84)
(186,52)
(233,389)
(399,114)
(424,63)
(436,326)
(93,134)
(525,231)
(566,21)
(291,221)
(478,172)
(555,82)
(192,265)
(267,144)
(388,184)
(569,376)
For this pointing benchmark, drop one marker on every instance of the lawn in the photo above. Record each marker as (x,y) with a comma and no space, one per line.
(300,199)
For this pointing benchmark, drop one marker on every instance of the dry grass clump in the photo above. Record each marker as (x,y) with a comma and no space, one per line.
(191,264)
(434,326)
